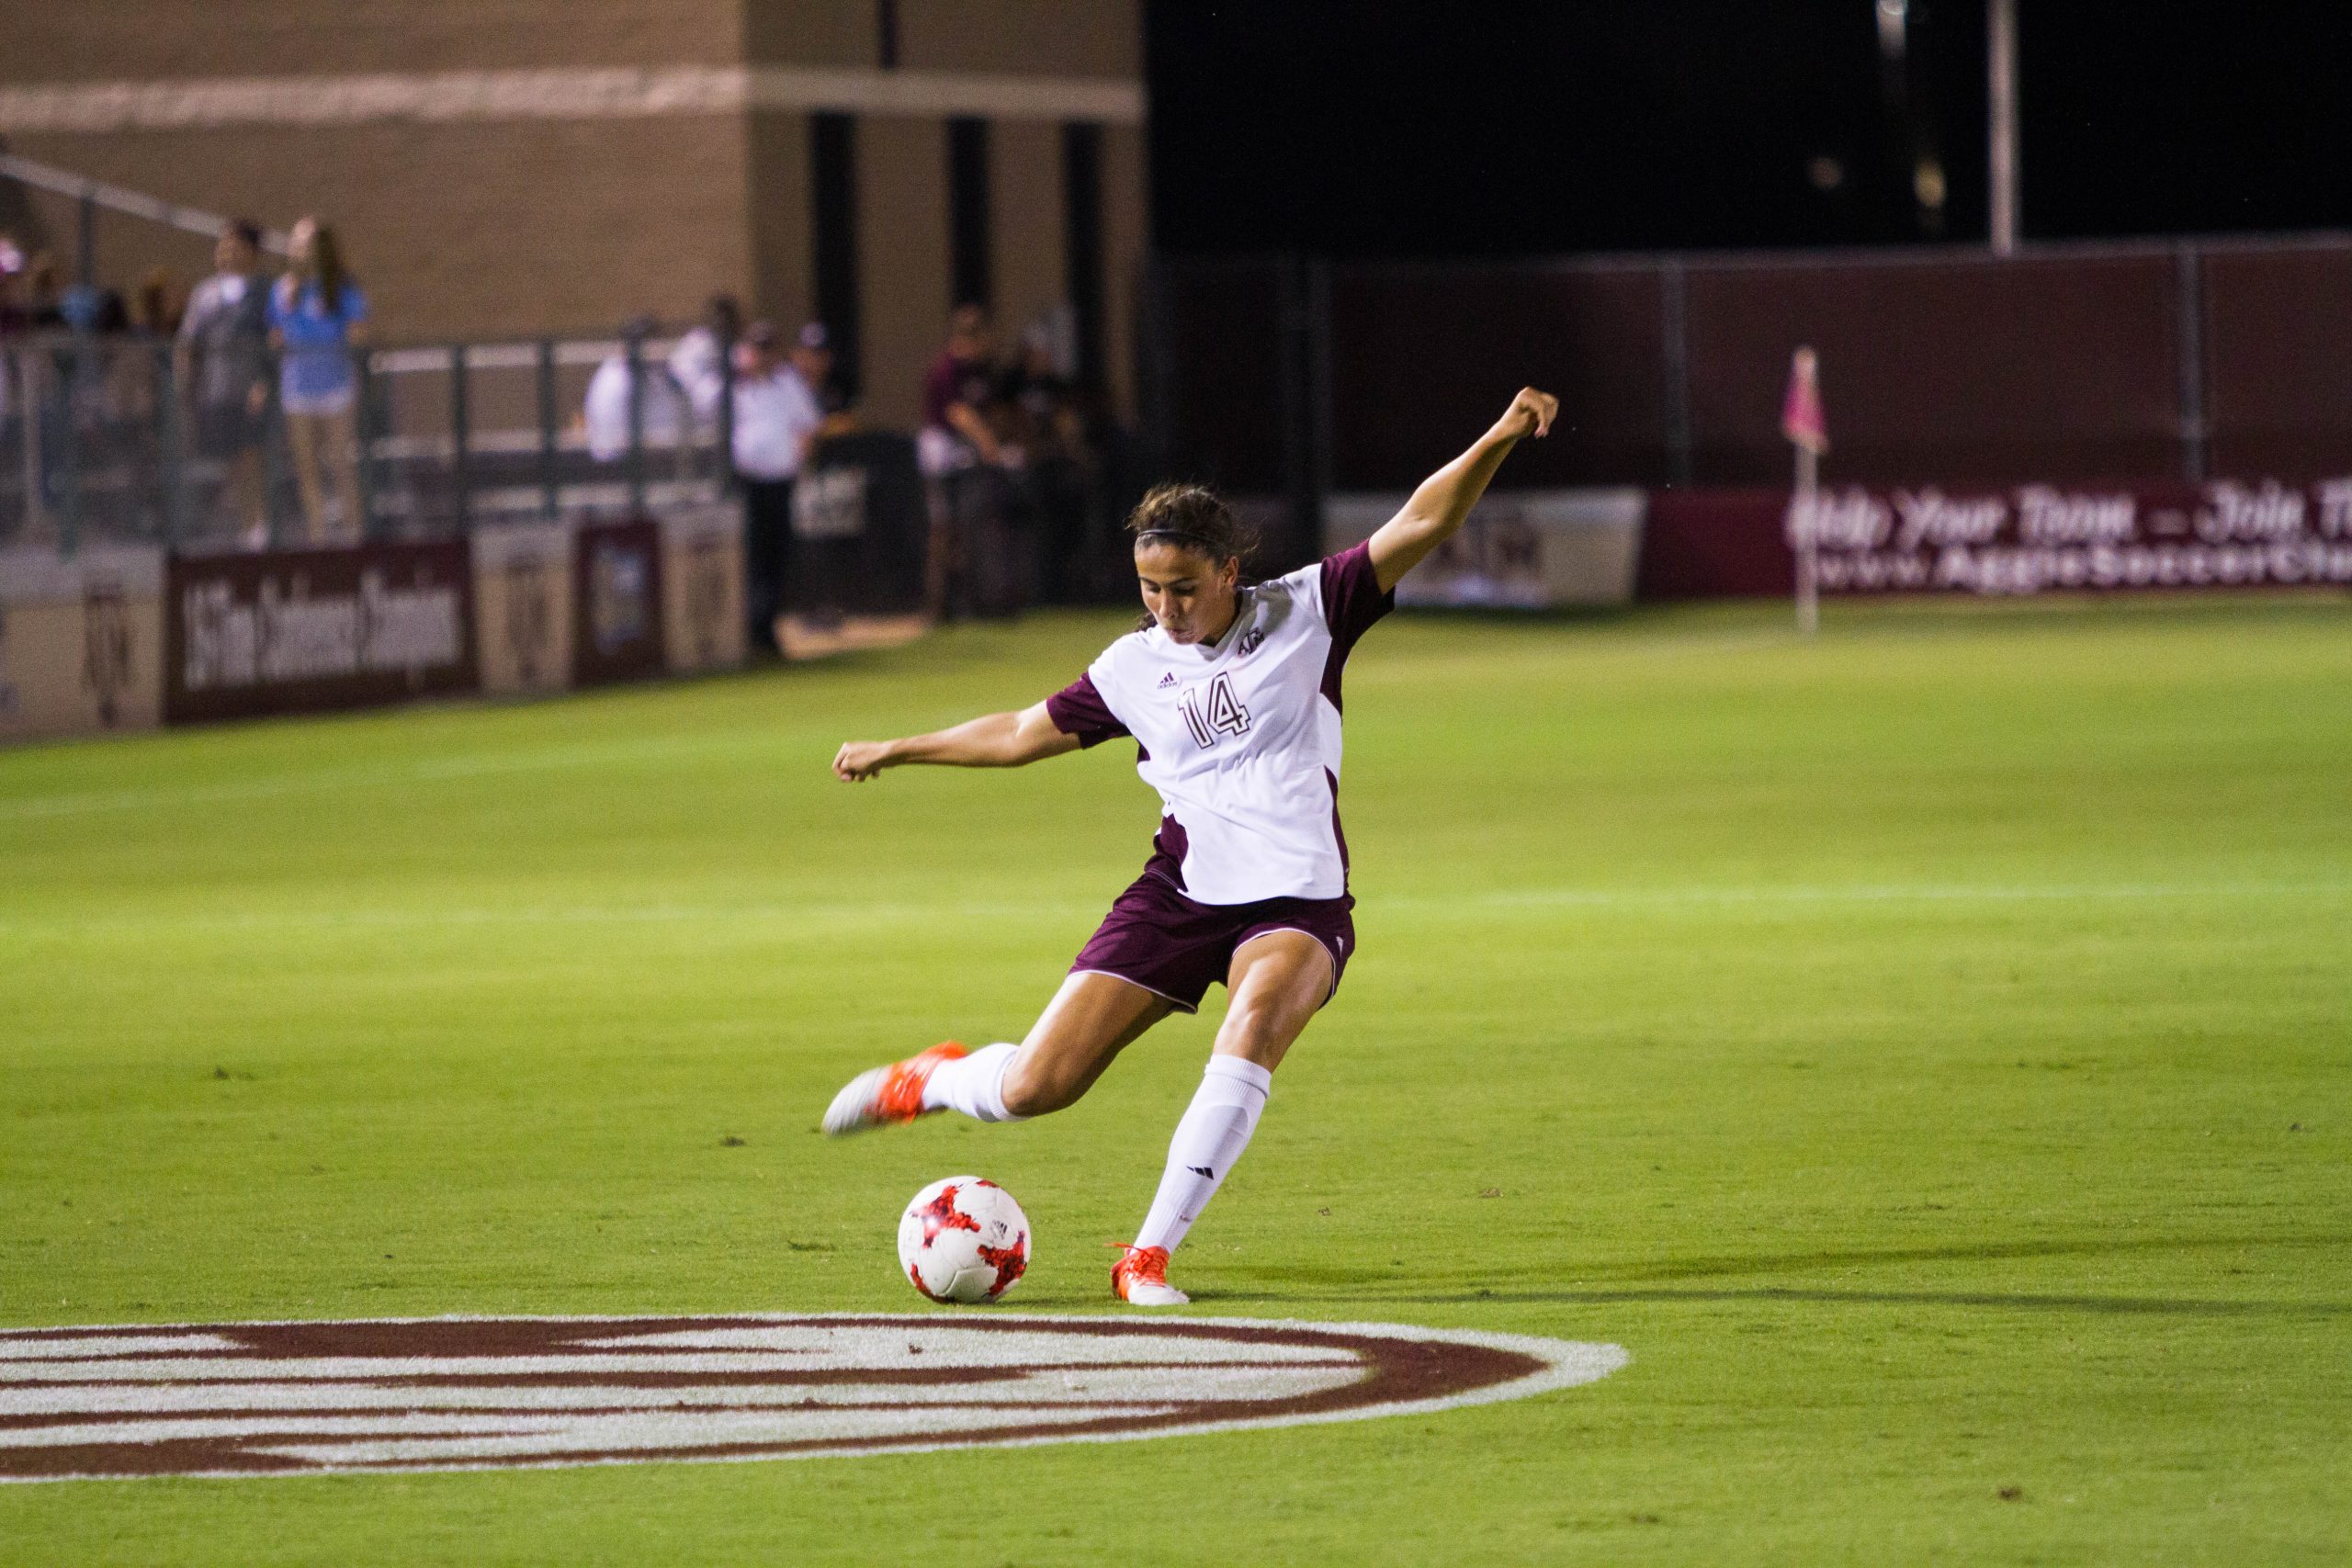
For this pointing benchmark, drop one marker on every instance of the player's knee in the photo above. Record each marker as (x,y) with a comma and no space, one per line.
(1033,1089)
(1255,1032)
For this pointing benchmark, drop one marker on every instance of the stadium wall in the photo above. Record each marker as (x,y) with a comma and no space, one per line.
(124,637)
(545,169)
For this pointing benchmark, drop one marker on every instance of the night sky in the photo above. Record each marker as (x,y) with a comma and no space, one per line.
(1471,128)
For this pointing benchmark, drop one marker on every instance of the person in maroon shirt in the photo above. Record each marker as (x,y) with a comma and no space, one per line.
(957,389)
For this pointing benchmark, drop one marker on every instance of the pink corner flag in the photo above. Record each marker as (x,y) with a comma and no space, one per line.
(1801,419)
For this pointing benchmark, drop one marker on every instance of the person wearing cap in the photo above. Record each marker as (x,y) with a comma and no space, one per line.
(812,357)
(776,419)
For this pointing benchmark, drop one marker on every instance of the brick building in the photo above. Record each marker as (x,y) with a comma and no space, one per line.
(504,168)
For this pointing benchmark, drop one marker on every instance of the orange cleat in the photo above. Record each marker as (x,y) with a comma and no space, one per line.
(1140,1278)
(882,1097)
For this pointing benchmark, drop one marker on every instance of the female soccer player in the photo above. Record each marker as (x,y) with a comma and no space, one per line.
(1232,695)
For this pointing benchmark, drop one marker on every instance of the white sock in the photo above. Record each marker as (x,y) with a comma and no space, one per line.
(1215,1129)
(973,1085)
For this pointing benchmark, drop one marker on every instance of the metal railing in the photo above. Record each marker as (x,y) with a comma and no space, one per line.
(103,437)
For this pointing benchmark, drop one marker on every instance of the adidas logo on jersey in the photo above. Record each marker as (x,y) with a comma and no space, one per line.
(1168,680)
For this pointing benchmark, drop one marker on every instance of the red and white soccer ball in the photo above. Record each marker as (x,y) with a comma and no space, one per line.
(963,1240)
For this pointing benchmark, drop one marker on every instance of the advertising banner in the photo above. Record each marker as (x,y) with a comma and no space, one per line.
(2040,538)
(616,602)
(1528,549)
(701,587)
(523,612)
(81,641)
(294,631)
(2024,539)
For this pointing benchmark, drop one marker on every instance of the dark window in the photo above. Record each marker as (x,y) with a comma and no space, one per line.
(885,34)
(968,212)
(1082,237)
(832,227)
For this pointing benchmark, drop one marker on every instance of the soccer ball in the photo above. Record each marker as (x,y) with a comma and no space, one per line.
(963,1240)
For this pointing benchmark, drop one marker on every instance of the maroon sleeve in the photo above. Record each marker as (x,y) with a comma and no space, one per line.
(1079,710)
(938,390)
(1352,599)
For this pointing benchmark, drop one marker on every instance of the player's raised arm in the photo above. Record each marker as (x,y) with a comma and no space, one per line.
(994,740)
(1445,498)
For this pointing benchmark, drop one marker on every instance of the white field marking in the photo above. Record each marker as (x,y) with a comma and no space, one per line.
(1085,1385)
(663,1435)
(852,1346)
(426,1431)
(1152,1373)
(843,1351)
(100,1345)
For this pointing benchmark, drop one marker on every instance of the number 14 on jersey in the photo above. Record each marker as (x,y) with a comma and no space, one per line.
(1224,714)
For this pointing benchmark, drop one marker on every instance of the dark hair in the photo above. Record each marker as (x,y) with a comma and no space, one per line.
(1190,517)
(246,231)
(326,261)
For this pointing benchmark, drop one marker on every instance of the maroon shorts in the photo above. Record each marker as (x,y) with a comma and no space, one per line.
(1157,938)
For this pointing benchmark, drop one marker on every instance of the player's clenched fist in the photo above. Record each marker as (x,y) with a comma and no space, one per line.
(1530,413)
(859,761)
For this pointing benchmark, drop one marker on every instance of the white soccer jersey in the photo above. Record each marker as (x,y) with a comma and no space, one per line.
(1240,736)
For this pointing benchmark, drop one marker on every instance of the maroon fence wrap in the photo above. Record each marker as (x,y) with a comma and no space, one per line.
(2031,538)
(296,630)
(2071,365)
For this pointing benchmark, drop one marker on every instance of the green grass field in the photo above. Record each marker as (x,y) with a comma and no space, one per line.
(1928,1052)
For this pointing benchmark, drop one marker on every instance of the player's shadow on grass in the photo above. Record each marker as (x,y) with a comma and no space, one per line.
(1766,1294)
(1951,1252)
(1335,1281)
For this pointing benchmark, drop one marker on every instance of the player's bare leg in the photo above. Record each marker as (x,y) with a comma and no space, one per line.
(1091,1019)
(1277,982)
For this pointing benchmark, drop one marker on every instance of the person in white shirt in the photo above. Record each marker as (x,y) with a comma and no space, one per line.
(661,406)
(1232,695)
(696,364)
(776,418)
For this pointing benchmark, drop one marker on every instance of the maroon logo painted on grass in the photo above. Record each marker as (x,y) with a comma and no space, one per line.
(441,1393)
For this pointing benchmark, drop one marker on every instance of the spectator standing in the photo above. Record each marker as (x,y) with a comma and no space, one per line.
(15,318)
(662,417)
(826,555)
(956,443)
(224,361)
(157,306)
(698,363)
(957,392)
(812,357)
(317,318)
(776,419)
(1046,424)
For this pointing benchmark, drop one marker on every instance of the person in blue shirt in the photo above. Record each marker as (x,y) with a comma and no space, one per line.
(317,320)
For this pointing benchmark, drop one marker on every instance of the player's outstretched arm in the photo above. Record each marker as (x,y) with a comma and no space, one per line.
(996,741)
(1445,498)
